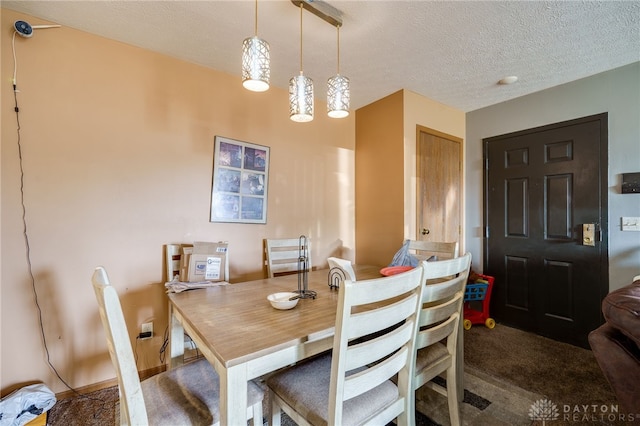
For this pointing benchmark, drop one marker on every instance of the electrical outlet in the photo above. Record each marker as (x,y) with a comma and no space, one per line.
(147,330)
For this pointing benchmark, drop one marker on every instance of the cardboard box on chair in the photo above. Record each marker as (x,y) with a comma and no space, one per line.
(207,262)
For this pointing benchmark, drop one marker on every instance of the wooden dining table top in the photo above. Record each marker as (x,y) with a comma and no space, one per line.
(238,324)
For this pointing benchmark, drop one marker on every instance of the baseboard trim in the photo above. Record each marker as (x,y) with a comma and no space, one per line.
(107,383)
(151,372)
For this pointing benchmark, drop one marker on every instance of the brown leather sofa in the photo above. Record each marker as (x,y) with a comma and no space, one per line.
(616,345)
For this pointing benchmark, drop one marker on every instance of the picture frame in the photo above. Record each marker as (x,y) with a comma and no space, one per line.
(240,181)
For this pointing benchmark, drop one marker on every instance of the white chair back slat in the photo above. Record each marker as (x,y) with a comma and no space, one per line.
(440,327)
(282,255)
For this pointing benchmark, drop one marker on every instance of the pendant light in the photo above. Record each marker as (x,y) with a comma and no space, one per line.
(255,61)
(301,91)
(338,93)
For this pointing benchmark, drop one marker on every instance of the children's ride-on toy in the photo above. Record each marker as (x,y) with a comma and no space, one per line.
(476,293)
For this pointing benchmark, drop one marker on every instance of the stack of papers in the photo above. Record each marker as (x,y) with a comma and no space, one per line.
(176,286)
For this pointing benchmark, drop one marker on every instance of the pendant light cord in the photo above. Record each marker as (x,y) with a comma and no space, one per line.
(256,23)
(300,38)
(338,27)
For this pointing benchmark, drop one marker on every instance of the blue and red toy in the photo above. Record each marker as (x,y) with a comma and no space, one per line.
(478,293)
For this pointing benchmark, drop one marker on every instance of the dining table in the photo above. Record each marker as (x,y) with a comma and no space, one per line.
(238,331)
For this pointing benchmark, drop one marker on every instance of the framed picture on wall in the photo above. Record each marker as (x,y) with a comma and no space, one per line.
(240,181)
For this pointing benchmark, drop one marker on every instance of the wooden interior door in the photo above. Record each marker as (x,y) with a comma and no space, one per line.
(542,187)
(439,186)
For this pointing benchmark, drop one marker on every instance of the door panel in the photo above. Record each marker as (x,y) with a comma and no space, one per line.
(541,185)
(439,186)
(516,283)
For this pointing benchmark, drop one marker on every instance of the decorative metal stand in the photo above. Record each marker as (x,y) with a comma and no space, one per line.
(303,270)
(336,276)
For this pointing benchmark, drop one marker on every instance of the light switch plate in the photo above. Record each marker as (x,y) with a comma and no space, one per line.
(631,223)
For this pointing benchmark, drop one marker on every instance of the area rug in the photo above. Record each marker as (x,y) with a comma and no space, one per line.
(487,401)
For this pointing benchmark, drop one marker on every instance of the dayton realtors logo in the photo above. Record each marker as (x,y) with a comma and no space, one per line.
(546,411)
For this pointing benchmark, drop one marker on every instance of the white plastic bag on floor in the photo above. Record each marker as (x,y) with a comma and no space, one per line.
(25,404)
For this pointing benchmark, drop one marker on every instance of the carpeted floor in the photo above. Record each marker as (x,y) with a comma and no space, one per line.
(561,372)
(506,372)
(566,376)
(95,409)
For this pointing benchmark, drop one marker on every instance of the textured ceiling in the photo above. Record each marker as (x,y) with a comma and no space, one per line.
(453,52)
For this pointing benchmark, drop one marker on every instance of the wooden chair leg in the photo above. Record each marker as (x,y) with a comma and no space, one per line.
(275,411)
(256,414)
(453,397)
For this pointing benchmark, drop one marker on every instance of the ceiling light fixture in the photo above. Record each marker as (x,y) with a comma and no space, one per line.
(301,91)
(255,61)
(338,93)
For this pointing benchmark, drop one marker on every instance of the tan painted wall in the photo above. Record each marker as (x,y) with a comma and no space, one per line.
(386,169)
(117,146)
(379,179)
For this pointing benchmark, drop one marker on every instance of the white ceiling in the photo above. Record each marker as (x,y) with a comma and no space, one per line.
(453,52)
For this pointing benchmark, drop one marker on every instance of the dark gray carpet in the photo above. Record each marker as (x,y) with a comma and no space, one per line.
(564,373)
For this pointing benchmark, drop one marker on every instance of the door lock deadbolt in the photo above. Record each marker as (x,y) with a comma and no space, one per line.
(589,234)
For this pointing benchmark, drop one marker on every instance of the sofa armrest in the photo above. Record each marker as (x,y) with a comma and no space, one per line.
(621,309)
(619,359)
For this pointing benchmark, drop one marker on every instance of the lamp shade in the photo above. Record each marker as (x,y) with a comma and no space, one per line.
(255,64)
(301,98)
(338,96)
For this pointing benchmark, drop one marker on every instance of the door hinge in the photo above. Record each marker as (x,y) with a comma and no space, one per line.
(486,232)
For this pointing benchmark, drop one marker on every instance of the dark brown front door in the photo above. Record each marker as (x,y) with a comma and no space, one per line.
(542,187)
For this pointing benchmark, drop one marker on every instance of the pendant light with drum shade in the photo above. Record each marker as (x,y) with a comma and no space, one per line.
(255,61)
(338,93)
(301,91)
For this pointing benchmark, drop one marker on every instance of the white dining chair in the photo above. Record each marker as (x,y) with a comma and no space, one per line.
(439,328)
(173,254)
(372,344)
(343,264)
(433,250)
(188,394)
(282,255)
(172,259)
